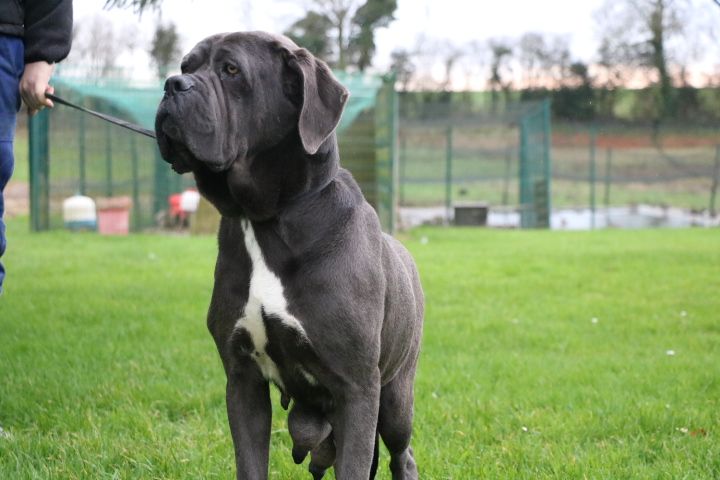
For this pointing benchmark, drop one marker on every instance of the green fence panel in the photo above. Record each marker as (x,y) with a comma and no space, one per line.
(535,167)
(386,165)
(456,148)
(39,153)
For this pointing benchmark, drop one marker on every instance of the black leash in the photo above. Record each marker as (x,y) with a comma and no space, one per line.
(107,118)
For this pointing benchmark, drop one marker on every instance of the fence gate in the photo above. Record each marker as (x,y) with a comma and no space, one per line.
(534,169)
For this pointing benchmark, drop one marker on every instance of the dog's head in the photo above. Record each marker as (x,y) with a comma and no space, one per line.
(243,94)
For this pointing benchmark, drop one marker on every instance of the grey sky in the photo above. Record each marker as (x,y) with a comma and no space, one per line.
(459,21)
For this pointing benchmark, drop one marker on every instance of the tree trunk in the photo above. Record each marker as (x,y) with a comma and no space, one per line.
(666,102)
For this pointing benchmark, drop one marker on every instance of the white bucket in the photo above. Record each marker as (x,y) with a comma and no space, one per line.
(79,213)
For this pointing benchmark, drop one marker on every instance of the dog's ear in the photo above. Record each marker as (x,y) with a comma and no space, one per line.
(323,98)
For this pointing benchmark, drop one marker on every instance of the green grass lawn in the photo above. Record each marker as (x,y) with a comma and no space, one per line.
(107,370)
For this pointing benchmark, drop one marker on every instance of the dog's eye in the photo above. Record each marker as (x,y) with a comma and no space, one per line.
(230,69)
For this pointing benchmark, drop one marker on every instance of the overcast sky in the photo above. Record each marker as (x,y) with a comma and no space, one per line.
(459,21)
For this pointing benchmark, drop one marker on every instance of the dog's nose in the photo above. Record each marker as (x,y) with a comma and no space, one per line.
(178,83)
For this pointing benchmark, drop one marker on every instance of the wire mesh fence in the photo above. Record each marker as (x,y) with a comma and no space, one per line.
(612,171)
(568,176)
(455,153)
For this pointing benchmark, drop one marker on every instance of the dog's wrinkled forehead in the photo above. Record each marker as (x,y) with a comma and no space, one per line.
(204,51)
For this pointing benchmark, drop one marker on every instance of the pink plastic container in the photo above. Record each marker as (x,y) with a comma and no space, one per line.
(113,216)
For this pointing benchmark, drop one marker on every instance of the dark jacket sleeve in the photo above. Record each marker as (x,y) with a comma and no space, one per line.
(48,30)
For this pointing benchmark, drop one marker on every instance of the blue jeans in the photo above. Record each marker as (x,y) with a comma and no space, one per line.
(11,68)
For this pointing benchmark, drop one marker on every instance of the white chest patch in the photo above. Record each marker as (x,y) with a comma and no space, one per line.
(266,293)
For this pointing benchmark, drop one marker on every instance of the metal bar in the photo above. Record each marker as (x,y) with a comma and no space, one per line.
(547,123)
(81,156)
(135,185)
(394,126)
(38,151)
(403,168)
(608,180)
(716,180)
(593,140)
(448,173)
(524,174)
(506,183)
(108,162)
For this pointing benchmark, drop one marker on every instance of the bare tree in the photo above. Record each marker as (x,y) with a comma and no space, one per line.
(557,60)
(450,54)
(346,26)
(339,13)
(531,56)
(165,48)
(650,34)
(403,67)
(97,45)
(475,63)
(139,6)
(500,69)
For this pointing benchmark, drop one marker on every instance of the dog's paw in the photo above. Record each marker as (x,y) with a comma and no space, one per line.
(317,472)
(403,466)
(299,455)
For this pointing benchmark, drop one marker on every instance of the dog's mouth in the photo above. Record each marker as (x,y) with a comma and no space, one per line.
(178,150)
(172,148)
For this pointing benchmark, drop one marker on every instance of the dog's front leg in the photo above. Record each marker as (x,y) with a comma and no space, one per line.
(249,413)
(354,427)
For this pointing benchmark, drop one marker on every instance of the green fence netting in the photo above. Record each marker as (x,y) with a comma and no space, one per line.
(461,150)
(604,166)
(71,152)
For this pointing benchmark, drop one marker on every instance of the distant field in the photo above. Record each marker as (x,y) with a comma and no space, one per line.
(563,355)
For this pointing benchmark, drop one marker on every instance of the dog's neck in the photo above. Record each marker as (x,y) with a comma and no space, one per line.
(321,169)
(263,185)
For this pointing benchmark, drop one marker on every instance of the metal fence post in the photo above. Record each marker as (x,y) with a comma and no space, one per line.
(135,185)
(38,153)
(547,146)
(108,161)
(716,180)
(448,173)
(593,139)
(608,166)
(506,184)
(81,146)
(524,181)
(403,167)
(386,171)
(161,184)
(394,119)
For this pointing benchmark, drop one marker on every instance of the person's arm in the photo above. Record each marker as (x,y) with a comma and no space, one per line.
(48,36)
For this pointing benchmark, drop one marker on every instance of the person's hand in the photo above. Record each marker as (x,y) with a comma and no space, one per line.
(34,85)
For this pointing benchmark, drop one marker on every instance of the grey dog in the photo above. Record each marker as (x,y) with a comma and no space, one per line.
(309,293)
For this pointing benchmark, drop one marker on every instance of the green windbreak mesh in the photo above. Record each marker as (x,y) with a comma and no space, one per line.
(140,104)
(363,92)
(72,152)
(137,105)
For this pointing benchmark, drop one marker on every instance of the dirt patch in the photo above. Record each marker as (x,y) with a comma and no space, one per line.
(628,141)
(17,198)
